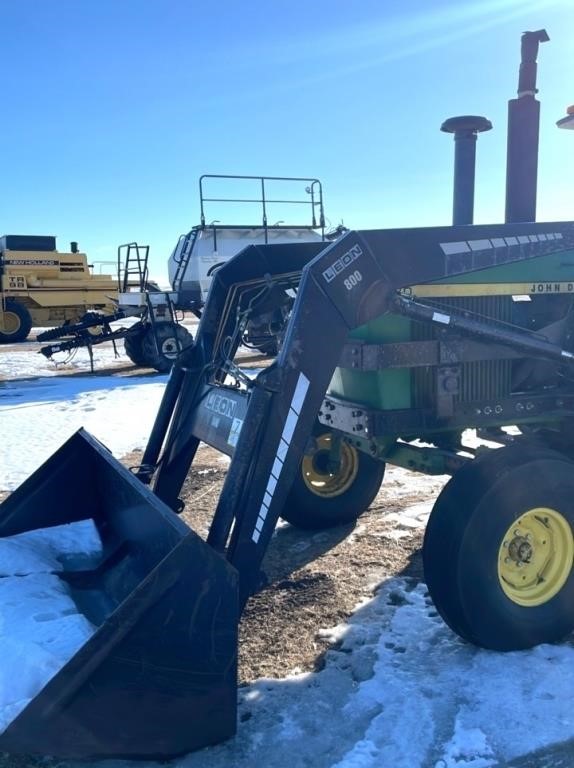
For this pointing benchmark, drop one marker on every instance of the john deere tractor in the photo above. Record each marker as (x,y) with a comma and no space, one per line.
(400,342)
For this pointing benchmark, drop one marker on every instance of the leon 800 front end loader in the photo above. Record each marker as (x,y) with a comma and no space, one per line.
(398,341)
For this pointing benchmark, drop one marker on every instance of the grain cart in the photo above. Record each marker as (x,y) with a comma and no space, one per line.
(156,339)
(255,199)
(40,286)
(207,246)
(399,340)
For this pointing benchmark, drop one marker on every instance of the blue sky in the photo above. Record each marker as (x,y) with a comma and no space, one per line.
(113,109)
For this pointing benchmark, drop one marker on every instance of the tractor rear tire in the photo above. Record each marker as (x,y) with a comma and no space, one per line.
(499,547)
(171,339)
(320,498)
(15,322)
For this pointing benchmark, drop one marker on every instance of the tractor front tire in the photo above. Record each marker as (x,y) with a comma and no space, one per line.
(15,322)
(499,549)
(322,498)
(172,338)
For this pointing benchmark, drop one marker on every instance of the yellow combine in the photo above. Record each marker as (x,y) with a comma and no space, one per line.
(40,286)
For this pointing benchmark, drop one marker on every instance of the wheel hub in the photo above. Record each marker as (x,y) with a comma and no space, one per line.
(169,349)
(321,475)
(535,557)
(9,322)
(520,550)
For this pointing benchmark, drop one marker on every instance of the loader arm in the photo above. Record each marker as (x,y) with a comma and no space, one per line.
(265,427)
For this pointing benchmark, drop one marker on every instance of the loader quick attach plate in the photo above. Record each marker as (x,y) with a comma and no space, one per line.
(158,676)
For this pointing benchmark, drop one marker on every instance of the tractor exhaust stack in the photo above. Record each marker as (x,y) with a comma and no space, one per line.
(465,129)
(523,129)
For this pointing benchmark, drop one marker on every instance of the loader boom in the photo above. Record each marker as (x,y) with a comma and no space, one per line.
(266,425)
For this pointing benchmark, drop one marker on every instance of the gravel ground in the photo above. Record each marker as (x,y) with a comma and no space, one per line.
(314,580)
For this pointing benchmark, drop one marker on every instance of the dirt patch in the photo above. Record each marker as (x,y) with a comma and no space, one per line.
(315,582)
(311,580)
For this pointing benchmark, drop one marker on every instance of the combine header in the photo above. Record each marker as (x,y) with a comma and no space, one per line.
(398,341)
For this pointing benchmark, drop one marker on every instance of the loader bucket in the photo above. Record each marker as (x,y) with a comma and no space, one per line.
(158,676)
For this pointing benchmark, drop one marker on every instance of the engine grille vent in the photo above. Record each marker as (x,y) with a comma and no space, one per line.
(480,381)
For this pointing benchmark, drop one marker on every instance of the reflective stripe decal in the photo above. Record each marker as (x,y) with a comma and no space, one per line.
(290,423)
(450,249)
(282,450)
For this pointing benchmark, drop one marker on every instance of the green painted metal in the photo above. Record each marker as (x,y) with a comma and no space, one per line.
(383,390)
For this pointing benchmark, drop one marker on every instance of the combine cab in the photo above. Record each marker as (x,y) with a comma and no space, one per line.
(398,342)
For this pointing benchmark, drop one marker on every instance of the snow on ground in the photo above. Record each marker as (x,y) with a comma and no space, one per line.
(38,416)
(25,360)
(400,690)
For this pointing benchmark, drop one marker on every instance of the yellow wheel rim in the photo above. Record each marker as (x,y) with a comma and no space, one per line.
(9,322)
(535,557)
(317,476)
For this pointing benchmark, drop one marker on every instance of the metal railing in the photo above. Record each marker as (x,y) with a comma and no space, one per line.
(313,201)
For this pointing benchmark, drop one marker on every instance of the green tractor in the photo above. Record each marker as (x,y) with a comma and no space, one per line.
(398,343)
